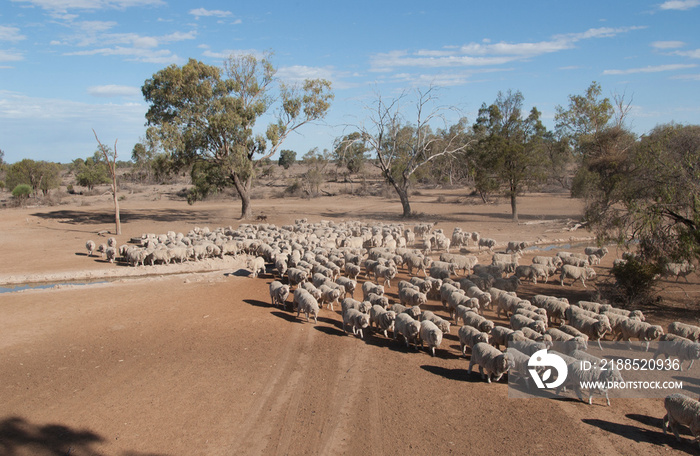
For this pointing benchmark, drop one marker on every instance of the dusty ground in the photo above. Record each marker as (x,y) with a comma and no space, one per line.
(200,363)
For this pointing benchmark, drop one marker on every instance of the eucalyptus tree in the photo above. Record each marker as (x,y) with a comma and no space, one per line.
(205,117)
(510,152)
(403,147)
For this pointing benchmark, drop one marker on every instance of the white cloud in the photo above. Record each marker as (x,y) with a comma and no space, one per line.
(651,69)
(487,53)
(694,54)
(10,34)
(687,77)
(134,54)
(8,56)
(61,6)
(114,91)
(202,12)
(667,44)
(681,5)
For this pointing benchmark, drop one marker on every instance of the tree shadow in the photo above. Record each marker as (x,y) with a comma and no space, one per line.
(75,217)
(18,436)
(642,435)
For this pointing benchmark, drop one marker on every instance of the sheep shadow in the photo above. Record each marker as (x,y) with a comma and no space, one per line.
(291,317)
(239,273)
(256,303)
(460,375)
(641,435)
(331,331)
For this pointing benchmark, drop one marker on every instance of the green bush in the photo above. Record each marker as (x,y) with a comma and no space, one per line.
(635,280)
(21,193)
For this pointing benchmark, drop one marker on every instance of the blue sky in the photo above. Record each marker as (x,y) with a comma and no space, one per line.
(68,66)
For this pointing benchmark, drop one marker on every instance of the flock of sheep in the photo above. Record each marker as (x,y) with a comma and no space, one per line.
(320,264)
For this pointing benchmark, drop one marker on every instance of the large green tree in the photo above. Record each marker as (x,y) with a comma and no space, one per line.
(42,176)
(350,152)
(205,116)
(511,150)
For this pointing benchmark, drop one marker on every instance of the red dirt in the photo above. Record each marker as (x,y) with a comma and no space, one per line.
(202,364)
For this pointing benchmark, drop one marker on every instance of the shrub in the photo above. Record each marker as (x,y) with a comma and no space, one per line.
(21,192)
(635,280)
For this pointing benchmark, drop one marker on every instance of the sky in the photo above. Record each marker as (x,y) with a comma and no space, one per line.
(70,66)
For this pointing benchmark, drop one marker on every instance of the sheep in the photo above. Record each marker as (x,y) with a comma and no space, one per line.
(349,303)
(594,306)
(357,320)
(573,331)
(570,342)
(411,297)
(348,284)
(382,319)
(518,321)
(683,410)
(517,247)
(576,273)
(470,336)
(510,284)
(492,362)
(556,309)
(352,270)
(102,248)
(486,242)
(519,366)
(329,295)
(159,255)
(521,343)
(531,272)
(599,252)
(111,254)
(279,293)
(461,262)
(414,311)
(471,318)
(256,265)
(369,287)
(431,335)
(406,326)
(592,327)
(483,298)
(376,299)
(315,292)
(678,269)
(90,246)
(684,330)
(680,347)
(499,336)
(537,314)
(456,299)
(576,261)
(386,273)
(304,302)
(640,330)
(554,261)
(441,270)
(637,314)
(578,376)
(440,322)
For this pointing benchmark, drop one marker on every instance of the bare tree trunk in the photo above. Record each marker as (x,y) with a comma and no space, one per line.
(403,196)
(243,190)
(514,206)
(117,220)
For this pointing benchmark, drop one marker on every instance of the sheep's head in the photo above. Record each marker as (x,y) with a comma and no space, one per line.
(654,332)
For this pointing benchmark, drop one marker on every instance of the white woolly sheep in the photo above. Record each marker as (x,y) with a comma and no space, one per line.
(369,287)
(594,328)
(431,335)
(90,246)
(279,293)
(382,319)
(256,265)
(636,314)
(683,410)
(407,327)
(597,379)
(462,262)
(684,330)
(599,252)
(352,270)
(350,303)
(411,297)
(457,300)
(492,362)
(594,306)
(471,318)
(680,347)
(678,270)
(329,295)
(518,321)
(510,284)
(386,273)
(357,320)
(304,302)
(499,336)
(440,322)
(574,272)
(554,261)
(348,284)
(570,342)
(639,330)
(111,254)
(515,246)
(487,242)
(377,300)
(470,336)
(521,343)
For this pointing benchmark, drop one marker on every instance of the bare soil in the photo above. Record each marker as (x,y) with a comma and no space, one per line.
(200,363)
